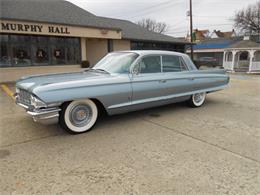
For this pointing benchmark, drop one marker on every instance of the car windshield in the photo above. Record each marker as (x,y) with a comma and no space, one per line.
(118,62)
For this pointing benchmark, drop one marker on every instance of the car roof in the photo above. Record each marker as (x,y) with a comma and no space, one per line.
(153,52)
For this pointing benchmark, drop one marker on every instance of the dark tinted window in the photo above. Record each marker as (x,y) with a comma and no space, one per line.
(40,54)
(3,38)
(173,64)
(5,59)
(20,38)
(150,64)
(139,45)
(21,55)
(25,50)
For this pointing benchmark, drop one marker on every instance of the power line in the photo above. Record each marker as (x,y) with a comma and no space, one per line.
(150,9)
(177,32)
(177,24)
(207,25)
(169,4)
(204,16)
(147,8)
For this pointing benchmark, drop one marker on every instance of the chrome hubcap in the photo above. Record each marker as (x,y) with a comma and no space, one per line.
(199,97)
(80,115)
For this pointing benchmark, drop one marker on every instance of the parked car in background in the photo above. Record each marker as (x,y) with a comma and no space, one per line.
(120,82)
(207,61)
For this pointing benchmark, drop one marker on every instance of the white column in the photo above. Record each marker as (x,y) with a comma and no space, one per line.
(251,53)
(224,59)
(233,59)
(83,48)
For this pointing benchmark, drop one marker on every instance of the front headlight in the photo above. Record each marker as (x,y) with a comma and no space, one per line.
(17,90)
(37,103)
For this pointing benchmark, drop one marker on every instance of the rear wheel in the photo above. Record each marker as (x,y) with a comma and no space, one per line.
(197,99)
(78,116)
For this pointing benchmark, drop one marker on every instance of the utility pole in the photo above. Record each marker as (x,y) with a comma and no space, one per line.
(258,21)
(191,32)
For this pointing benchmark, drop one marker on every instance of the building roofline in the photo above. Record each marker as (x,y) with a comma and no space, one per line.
(66,13)
(65,24)
(242,48)
(157,41)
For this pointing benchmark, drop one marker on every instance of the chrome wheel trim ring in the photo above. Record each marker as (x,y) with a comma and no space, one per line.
(81,115)
(199,98)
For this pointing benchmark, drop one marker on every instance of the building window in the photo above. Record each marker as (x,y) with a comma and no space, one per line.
(110,46)
(257,56)
(229,56)
(40,55)
(5,58)
(25,50)
(21,55)
(244,56)
(138,45)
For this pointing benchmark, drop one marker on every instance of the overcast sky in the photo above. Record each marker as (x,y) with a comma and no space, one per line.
(208,14)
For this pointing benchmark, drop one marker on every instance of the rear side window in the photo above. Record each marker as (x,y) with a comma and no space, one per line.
(150,64)
(173,64)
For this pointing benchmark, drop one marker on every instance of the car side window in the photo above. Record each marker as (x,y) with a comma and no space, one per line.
(172,63)
(150,64)
(183,65)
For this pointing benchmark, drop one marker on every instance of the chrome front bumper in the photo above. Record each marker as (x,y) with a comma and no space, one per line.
(44,116)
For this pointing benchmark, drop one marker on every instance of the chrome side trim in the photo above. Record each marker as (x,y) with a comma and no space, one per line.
(136,102)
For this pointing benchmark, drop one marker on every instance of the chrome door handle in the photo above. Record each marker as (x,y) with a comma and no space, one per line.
(162,81)
(191,78)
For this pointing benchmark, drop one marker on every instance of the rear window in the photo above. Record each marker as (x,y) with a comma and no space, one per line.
(173,64)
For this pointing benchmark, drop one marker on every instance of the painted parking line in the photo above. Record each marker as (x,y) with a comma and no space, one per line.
(8,91)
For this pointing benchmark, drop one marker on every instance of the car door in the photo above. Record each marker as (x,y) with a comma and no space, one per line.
(178,81)
(148,83)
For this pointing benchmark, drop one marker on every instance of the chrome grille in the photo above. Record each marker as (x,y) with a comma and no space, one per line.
(24,97)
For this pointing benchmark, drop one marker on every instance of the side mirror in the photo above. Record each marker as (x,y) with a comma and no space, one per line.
(85,64)
(135,70)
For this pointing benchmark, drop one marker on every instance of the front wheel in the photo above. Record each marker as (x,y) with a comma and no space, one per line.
(197,99)
(78,116)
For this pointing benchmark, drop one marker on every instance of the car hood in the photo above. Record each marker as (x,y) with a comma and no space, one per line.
(52,81)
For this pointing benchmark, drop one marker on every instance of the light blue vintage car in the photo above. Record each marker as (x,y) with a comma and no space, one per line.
(120,82)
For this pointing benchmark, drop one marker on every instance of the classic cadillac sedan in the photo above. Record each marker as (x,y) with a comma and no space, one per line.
(120,82)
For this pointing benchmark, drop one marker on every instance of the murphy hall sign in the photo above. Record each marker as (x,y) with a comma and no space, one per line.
(18,27)
(21,27)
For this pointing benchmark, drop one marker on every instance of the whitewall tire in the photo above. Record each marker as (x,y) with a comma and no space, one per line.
(78,116)
(197,99)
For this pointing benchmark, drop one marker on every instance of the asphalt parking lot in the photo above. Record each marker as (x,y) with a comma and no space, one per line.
(173,149)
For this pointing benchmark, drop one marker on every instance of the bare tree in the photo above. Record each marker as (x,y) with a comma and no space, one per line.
(152,25)
(248,19)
